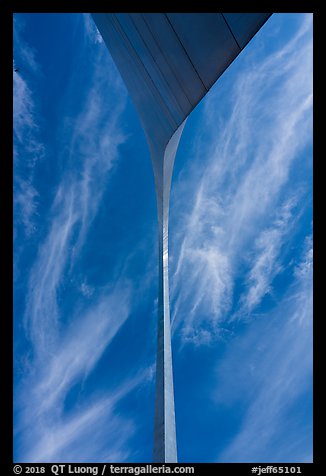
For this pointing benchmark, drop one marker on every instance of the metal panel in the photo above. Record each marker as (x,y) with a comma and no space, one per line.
(245,25)
(175,56)
(149,104)
(145,52)
(207,41)
(171,88)
(165,445)
(169,61)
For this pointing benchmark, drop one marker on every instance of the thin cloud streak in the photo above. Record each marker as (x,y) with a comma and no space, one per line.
(91,31)
(266,262)
(28,148)
(264,367)
(88,431)
(26,56)
(240,185)
(94,143)
(23,108)
(82,345)
(63,356)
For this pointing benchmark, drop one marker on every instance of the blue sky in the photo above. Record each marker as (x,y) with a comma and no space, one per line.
(85,254)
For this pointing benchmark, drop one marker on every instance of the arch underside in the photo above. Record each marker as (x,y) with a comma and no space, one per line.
(169,61)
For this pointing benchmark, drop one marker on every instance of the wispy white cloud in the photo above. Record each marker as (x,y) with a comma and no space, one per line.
(28,147)
(25,55)
(66,349)
(43,394)
(304,267)
(93,149)
(91,30)
(269,369)
(266,262)
(83,343)
(26,200)
(92,433)
(24,108)
(86,289)
(235,186)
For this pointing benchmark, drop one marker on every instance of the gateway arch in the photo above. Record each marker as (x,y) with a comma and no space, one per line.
(169,61)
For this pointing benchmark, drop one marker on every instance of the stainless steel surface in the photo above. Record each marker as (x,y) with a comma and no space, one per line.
(165,449)
(169,61)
